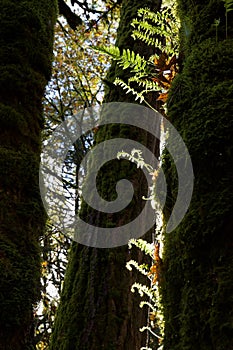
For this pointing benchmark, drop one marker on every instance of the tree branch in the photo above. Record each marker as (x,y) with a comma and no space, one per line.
(72,19)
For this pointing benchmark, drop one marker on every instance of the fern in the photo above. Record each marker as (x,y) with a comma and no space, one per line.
(141,288)
(147,303)
(228,4)
(161,31)
(128,58)
(216,25)
(150,330)
(141,268)
(157,29)
(151,291)
(143,245)
(111,50)
(163,24)
(148,85)
(139,95)
(155,314)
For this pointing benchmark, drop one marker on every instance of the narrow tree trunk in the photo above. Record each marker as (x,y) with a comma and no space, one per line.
(98,310)
(198,257)
(26,38)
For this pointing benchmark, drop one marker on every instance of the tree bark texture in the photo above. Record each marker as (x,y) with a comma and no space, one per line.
(97,309)
(197,282)
(26,41)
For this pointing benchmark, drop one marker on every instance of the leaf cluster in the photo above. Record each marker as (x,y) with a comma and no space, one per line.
(159,30)
(228,4)
(155,325)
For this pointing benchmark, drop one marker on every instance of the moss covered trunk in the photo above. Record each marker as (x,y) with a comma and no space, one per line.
(26,38)
(198,257)
(98,310)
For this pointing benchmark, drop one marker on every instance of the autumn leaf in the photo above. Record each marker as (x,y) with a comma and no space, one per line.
(152,316)
(44,264)
(163,97)
(166,71)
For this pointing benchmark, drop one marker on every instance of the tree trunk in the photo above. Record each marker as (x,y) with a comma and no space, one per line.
(97,309)
(198,256)
(26,38)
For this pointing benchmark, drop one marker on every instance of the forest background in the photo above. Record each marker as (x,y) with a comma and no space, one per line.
(187,285)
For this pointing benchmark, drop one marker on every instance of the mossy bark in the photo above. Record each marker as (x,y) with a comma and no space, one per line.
(197,283)
(97,309)
(26,39)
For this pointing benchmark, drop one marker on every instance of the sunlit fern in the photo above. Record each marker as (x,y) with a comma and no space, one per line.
(157,29)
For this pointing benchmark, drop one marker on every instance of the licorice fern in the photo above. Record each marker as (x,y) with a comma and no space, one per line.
(155,74)
(228,4)
(126,59)
(150,291)
(129,89)
(150,25)
(155,324)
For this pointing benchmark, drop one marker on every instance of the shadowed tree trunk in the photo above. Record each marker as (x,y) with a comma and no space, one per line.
(198,258)
(97,309)
(26,38)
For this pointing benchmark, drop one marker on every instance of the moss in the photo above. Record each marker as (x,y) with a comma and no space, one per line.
(198,21)
(97,310)
(26,41)
(198,285)
(125,40)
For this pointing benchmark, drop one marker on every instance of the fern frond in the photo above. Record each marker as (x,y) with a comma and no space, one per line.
(136,157)
(125,59)
(171,48)
(142,289)
(145,13)
(112,51)
(139,95)
(141,268)
(150,330)
(228,5)
(148,85)
(132,60)
(150,29)
(144,246)
(148,39)
(162,24)
(147,303)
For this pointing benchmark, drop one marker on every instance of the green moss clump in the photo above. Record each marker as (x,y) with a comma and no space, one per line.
(198,257)
(26,40)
